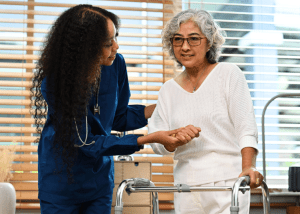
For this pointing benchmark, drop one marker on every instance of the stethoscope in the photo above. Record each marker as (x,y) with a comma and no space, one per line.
(96,106)
(96,110)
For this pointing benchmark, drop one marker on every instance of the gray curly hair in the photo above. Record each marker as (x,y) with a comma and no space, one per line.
(210,29)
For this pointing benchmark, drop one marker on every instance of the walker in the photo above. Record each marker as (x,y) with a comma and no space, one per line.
(135,185)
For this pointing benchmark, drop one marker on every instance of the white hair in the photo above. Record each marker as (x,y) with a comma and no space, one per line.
(210,29)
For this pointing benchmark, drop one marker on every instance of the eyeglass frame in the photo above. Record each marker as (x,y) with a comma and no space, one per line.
(187,39)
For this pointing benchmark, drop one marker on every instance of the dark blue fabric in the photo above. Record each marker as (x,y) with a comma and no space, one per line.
(100,205)
(94,169)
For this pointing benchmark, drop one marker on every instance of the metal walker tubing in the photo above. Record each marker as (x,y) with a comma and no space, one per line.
(239,185)
(263,126)
(234,209)
(138,182)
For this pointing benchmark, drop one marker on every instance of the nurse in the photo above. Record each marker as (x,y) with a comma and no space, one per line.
(81,88)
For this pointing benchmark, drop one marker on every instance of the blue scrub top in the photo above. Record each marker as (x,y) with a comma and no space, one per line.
(94,168)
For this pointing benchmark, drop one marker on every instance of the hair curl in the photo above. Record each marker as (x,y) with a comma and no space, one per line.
(71,60)
(211,30)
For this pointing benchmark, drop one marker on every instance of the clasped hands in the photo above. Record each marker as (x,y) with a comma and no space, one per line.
(178,137)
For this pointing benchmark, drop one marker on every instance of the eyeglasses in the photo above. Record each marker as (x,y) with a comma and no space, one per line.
(192,41)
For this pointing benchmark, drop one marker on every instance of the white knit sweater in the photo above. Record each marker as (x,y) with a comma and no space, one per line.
(223,109)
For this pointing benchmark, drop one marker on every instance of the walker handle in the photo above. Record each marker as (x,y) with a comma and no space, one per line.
(246,181)
(141,182)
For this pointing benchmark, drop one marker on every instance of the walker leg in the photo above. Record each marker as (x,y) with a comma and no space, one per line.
(119,203)
(234,209)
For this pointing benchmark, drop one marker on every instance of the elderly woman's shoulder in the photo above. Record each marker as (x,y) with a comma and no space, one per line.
(229,68)
(229,65)
(168,85)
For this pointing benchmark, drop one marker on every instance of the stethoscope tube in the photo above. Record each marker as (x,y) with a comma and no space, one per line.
(96,106)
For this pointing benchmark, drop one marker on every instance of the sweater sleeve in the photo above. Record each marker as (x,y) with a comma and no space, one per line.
(159,122)
(241,109)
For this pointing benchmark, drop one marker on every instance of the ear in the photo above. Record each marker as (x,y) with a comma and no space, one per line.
(208,47)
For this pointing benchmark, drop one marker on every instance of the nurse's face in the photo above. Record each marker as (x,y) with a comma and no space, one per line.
(111,46)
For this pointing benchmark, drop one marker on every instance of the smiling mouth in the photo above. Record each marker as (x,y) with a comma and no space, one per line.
(186,55)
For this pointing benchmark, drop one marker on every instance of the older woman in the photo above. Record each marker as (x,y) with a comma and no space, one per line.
(215,97)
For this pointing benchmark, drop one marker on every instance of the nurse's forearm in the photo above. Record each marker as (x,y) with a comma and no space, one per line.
(149,110)
(145,139)
(156,137)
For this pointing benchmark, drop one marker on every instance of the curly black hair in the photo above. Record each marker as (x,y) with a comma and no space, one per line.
(71,60)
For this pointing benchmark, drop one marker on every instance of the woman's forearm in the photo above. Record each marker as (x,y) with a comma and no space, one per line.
(249,164)
(248,157)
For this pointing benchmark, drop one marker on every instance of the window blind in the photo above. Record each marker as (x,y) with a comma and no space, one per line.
(263,40)
(23,27)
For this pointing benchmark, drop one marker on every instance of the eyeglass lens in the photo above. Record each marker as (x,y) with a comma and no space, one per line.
(193,41)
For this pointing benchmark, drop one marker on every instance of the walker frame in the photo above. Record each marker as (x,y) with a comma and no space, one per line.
(135,185)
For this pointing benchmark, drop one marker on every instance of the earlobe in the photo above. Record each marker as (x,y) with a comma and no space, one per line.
(208,48)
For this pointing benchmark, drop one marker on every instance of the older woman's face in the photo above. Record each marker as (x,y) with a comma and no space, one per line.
(190,56)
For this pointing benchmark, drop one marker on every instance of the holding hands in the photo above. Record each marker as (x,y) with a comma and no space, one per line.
(186,134)
(178,137)
(182,136)
(173,138)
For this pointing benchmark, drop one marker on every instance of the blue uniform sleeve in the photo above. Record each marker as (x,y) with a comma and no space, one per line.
(127,117)
(101,145)
(95,145)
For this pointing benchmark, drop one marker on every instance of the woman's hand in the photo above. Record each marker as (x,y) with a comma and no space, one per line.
(183,136)
(255,177)
(186,134)
(248,166)
(171,139)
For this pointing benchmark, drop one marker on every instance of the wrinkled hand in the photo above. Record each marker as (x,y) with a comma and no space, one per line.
(186,134)
(183,135)
(168,139)
(255,177)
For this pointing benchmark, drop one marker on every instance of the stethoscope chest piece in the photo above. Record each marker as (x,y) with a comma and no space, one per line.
(96,109)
